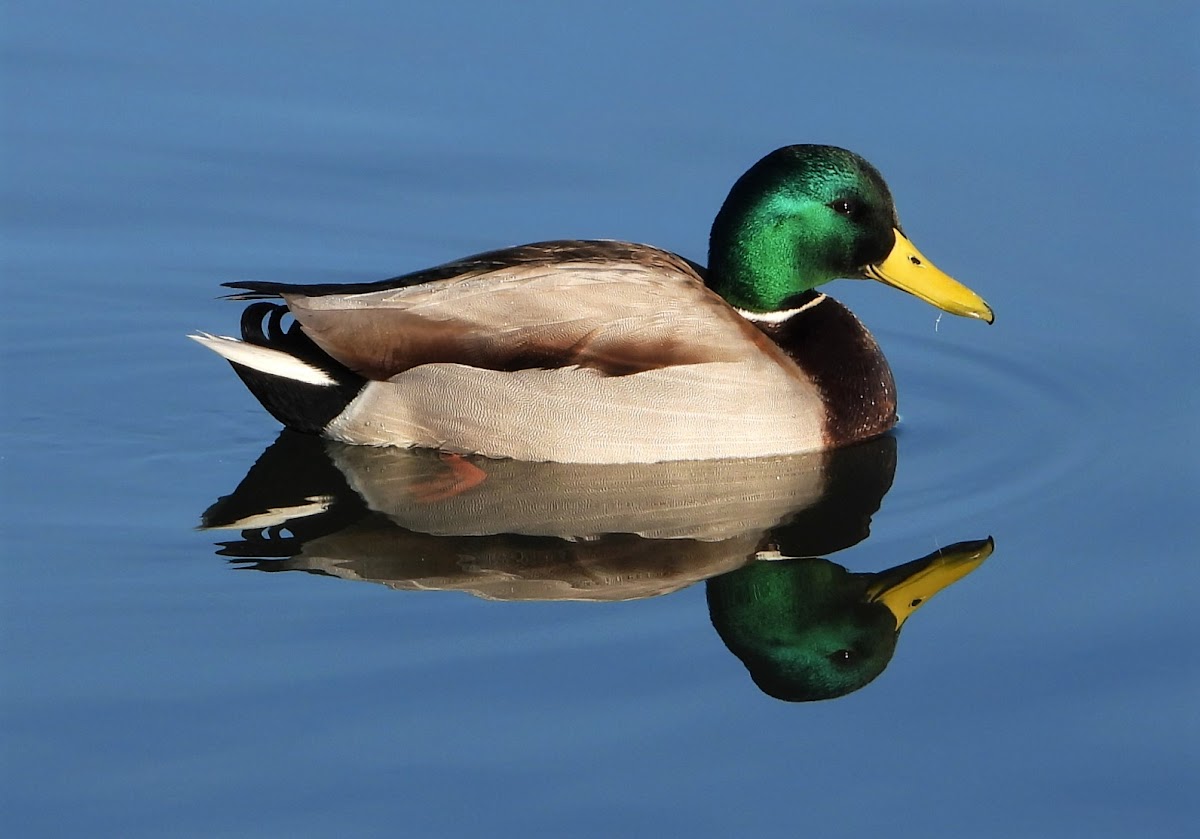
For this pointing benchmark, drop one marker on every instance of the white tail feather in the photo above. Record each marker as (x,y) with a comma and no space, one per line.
(263,359)
(273,516)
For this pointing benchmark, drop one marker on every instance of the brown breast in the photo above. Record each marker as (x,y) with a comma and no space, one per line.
(829,343)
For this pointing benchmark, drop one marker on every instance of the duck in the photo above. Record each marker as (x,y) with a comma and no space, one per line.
(602,351)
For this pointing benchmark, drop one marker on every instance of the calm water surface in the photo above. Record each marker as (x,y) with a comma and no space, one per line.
(155,683)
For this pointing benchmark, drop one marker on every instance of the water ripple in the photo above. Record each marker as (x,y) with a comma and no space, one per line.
(981,430)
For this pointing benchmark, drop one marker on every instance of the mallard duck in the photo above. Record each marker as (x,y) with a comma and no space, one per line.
(611,352)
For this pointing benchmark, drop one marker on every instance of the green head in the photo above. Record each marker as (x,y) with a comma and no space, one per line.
(809,629)
(804,215)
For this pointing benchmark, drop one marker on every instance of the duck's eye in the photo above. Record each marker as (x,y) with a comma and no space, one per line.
(842,658)
(845,206)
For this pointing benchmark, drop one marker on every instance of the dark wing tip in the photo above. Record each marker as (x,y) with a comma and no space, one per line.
(254,290)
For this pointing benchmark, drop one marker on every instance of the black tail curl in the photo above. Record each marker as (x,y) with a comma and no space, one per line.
(298,405)
(262,325)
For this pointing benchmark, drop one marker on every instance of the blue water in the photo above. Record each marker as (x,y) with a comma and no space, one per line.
(1046,156)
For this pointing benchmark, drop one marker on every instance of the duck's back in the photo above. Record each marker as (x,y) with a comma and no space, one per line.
(567,351)
(610,306)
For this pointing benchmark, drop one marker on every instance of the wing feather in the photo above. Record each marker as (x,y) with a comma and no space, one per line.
(613,307)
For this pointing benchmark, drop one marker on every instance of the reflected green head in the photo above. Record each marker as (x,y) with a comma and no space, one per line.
(803,628)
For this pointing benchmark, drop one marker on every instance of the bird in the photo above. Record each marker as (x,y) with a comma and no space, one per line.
(602,351)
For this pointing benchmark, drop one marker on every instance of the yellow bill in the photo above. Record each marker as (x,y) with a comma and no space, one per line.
(905,588)
(907,269)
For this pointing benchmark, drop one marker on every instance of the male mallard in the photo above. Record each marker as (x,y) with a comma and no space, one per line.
(610,352)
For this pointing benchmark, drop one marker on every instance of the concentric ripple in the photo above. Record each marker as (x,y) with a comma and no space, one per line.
(982,429)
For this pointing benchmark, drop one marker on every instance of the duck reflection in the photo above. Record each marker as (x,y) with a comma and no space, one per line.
(805,627)
(809,629)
